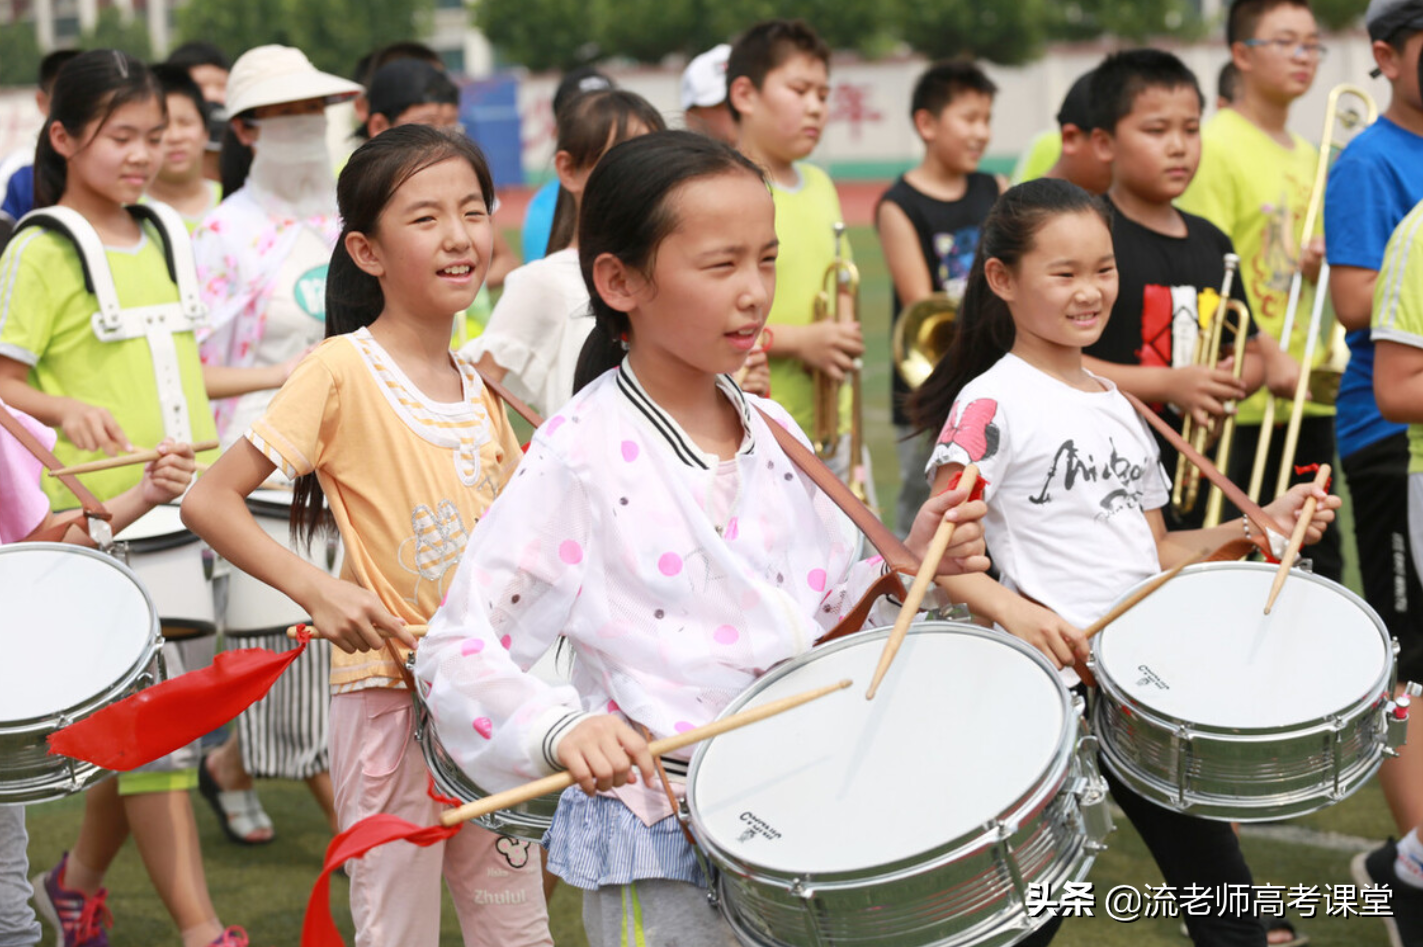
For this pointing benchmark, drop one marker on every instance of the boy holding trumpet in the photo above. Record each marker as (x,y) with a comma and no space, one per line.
(1171,264)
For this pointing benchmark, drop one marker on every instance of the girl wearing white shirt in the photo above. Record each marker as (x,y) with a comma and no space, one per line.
(658,527)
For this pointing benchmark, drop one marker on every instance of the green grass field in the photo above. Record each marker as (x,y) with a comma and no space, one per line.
(265,889)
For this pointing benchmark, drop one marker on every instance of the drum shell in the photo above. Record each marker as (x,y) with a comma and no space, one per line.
(966,891)
(173,564)
(529,820)
(1243,774)
(254,607)
(28,773)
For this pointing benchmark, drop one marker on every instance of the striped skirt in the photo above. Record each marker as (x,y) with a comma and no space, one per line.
(284,735)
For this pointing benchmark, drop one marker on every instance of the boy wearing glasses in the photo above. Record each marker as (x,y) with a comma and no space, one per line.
(1254,183)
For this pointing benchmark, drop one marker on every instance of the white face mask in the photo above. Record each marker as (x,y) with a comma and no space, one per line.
(292,166)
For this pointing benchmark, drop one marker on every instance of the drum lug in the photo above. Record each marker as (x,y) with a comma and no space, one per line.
(799,889)
(1092,800)
(1182,745)
(1337,724)
(1395,720)
(209,562)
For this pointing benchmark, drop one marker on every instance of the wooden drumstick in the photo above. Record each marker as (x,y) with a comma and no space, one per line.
(922,579)
(1136,598)
(294,631)
(124,460)
(561,781)
(1306,514)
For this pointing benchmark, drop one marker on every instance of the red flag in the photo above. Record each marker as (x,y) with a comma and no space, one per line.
(318,929)
(163,718)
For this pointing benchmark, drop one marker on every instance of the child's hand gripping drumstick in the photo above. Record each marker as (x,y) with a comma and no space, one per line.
(1306,515)
(561,781)
(927,570)
(142,457)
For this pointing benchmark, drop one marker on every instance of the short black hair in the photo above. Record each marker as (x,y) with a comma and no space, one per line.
(50,66)
(944,80)
(176,80)
(1123,76)
(404,49)
(765,46)
(198,53)
(1227,84)
(1245,16)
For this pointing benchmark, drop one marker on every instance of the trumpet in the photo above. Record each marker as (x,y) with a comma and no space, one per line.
(923,334)
(1186,488)
(841,277)
(1341,123)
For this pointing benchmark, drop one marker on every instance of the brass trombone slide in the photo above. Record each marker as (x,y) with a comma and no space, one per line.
(1350,119)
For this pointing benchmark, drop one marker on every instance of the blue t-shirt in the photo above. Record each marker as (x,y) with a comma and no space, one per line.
(538,222)
(1372,186)
(20,193)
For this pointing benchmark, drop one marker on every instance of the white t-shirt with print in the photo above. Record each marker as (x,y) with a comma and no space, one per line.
(1068,475)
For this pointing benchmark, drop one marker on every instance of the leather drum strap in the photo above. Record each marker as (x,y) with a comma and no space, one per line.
(1210,471)
(512,400)
(667,788)
(90,503)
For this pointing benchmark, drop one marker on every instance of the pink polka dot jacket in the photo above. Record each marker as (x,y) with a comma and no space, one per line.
(676,578)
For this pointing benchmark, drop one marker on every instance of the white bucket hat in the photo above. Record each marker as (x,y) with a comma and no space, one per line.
(272,75)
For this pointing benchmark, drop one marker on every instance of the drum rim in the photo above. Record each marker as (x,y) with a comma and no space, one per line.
(1380,689)
(162,541)
(1019,813)
(151,649)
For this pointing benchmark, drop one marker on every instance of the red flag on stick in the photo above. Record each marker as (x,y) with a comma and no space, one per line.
(163,718)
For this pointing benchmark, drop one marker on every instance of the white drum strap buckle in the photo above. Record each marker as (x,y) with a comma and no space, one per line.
(157,325)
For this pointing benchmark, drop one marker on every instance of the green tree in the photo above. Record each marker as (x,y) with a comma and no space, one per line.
(1336,14)
(19,54)
(113,30)
(1004,33)
(542,34)
(334,34)
(1131,20)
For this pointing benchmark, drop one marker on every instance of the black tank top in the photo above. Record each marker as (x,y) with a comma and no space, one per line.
(948,238)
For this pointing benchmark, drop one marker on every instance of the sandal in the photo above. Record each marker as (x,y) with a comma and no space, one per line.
(239,812)
(1280,924)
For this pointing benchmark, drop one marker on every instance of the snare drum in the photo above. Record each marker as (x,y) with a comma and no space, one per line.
(176,567)
(88,633)
(992,800)
(529,820)
(1209,706)
(254,607)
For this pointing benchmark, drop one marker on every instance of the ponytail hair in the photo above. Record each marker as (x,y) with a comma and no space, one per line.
(628,210)
(985,330)
(88,90)
(354,297)
(588,126)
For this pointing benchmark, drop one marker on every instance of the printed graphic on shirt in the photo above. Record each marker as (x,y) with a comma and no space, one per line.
(955,252)
(1071,468)
(1172,319)
(1268,273)
(310,292)
(434,550)
(971,428)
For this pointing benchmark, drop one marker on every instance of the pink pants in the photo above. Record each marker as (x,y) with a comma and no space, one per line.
(496,882)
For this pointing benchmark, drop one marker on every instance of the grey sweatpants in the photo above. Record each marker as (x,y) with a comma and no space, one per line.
(18,925)
(656,913)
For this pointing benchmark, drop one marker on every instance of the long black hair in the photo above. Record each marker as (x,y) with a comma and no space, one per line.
(354,298)
(985,331)
(588,126)
(628,211)
(89,88)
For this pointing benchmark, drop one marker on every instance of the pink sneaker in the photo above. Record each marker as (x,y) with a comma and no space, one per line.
(234,936)
(79,918)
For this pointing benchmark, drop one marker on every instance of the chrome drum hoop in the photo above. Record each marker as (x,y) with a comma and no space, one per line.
(1246,774)
(969,890)
(28,773)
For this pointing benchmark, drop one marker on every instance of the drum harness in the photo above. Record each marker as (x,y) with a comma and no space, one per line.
(156,324)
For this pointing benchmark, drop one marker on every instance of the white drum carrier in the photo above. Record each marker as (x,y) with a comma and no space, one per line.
(1207,705)
(972,739)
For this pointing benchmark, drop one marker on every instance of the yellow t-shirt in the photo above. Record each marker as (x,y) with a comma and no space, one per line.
(1042,153)
(45,323)
(407,478)
(1257,191)
(805,222)
(1398,305)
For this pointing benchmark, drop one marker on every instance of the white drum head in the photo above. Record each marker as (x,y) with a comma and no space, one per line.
(159,521)
(272,500)
(963,727)
(76,623)
(1201,649)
